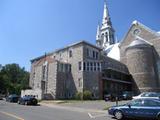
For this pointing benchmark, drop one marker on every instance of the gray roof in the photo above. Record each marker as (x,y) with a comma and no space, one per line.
(136,23)
(139,41)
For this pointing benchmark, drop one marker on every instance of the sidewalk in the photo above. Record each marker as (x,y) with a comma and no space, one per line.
(81,106)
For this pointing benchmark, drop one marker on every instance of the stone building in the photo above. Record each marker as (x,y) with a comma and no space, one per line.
(76,68)
(60,74)
(81,66)
(140,51)
(107,67)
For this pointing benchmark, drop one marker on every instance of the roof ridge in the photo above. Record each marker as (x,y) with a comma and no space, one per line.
(135,22)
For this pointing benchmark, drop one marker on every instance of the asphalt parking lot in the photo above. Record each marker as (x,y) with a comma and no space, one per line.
(85,110)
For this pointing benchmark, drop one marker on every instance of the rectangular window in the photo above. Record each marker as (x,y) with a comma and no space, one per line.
(87,66)
(70,53)
(96,55)
(80,65)
(69,67)
(61,67)
(91,66)
(94,66)
(93,54)
(98,65)
(84,66)
(66,67)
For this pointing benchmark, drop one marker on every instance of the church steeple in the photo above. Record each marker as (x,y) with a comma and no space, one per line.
(106,16)
(106,31)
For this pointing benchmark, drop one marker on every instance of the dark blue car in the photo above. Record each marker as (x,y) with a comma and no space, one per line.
(137,108)
(12,98)
(28,100)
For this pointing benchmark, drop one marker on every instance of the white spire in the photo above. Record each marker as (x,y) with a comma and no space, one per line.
(105,32)
(105,13)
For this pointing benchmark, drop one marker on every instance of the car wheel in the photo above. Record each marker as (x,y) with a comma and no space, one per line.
(118,115)
(158,117)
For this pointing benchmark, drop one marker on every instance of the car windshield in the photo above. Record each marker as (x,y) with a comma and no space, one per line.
(14,95)
(136,102)
(150,95)
(145,102)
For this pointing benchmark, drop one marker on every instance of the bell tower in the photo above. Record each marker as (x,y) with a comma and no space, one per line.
(105,31)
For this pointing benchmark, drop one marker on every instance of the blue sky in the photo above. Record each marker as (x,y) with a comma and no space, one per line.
(29,28)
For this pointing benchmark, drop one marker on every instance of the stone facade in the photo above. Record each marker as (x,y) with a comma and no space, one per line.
(75,68)
(61,74)
(140,52)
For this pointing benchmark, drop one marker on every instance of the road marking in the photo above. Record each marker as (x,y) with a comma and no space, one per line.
(95,116)
(11,115)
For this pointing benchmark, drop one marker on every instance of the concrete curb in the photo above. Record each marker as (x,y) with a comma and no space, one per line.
(77,109)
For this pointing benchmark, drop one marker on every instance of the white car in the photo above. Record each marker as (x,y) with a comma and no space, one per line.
(154,95)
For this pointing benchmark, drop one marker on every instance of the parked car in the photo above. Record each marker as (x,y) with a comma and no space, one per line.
(28,100)
(12,98)
(112,97)
(155,95)
(145,108)
(127,95)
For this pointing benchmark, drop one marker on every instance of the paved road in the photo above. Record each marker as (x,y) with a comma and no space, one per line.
(12,111)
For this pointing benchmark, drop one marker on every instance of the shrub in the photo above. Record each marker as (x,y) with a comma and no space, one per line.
(87,95)
(79,96)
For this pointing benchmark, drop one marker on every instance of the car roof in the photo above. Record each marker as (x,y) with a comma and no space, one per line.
(147,99)
(14,95)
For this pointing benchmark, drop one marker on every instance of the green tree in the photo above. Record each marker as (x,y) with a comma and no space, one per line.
(13,79)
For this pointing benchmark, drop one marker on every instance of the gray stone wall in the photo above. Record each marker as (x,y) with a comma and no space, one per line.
(92,75)
(32,75)
(38,77)
(140,61)
(145,34)
(52,79)
(73,60)
(70,70)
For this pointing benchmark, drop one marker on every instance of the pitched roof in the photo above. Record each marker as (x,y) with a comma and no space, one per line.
(136,23)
